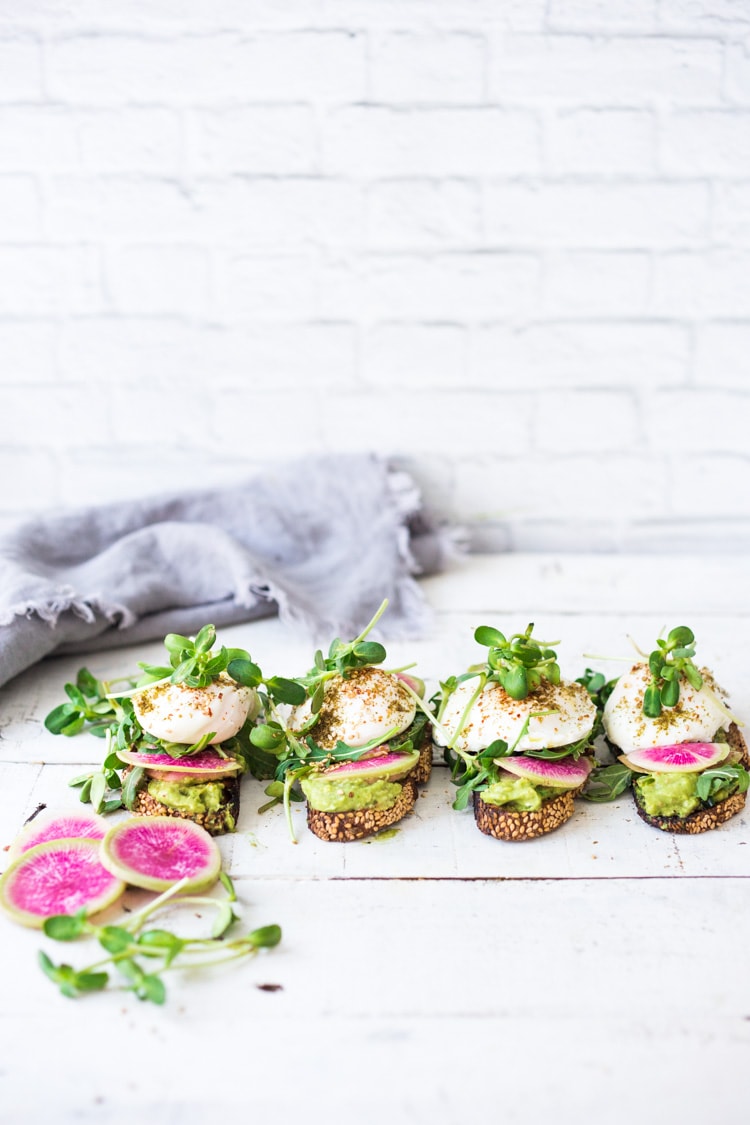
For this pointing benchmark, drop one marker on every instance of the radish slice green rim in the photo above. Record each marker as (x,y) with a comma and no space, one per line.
(58,825)
(155,852)
(58,877)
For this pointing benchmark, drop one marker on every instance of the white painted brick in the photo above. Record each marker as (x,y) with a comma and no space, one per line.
(580,355)
(449,286)
(696,16)
(421,355)
(53,417)
(693,419)
(208,69)
(138,140)
(141,469)
(35,477)
(130,352)
(20,208)
(175,16)
(256,139)
(290,423)
(108,350)
(737,75)
(401,421)
(445,287)
(730,220)
(118,207)
(373,141)
(722,354)
(588,284)
(293,287)
(608,72)
(597,215)
(159,279)
(20,70)
(280,213)
(304,66)
(569,487)
(598,422)
(706,142)
(27,352)
(410,69)
(710,486)
(713,284)
(37,139)
(45,280)
(405,214)
(601,142)
(173,415)
(602,15)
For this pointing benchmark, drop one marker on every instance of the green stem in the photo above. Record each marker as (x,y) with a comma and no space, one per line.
(467,711)
(133,923)
(368,628)
(136,690)
(422,707)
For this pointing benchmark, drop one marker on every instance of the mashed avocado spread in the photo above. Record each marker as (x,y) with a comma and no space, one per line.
(518,794)
(202,797)
(345,794)
(669,794)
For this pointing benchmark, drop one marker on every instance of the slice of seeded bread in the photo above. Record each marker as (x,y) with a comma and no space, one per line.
(508,824)
(702,820)
(355,825)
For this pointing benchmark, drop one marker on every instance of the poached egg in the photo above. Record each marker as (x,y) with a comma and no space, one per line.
(695,718)
(178,713)
(357,708)
(557,714)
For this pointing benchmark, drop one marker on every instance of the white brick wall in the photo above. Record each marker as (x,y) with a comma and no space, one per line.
(504,241)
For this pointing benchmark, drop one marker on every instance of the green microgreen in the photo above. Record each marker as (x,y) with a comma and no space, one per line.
(105,708)
(607,782)
(716,784)
(518,663)
(141,955)
(670,662)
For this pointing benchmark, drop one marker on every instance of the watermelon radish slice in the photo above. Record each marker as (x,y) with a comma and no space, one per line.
(58,877)
(377,765)
(681,757)
(206,765)
(155,852)
(58,826)
(565,773)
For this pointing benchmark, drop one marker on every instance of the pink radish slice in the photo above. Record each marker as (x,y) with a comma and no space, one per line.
(58,877)
(155,852)
(565,773)
(58,826)
(681,757)
(377,765)
(206,765)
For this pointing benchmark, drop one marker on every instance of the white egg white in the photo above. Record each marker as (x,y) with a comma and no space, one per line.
(557,714)
(696,717)
(177,713)
(366,704)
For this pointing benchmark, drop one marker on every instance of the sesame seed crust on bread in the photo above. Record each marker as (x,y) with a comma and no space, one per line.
(359,823)
(512,826)
(702,820)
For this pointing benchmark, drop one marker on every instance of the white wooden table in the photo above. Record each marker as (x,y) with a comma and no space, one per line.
(598,973)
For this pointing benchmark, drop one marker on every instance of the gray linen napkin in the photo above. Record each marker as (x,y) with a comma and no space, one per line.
(321,541)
